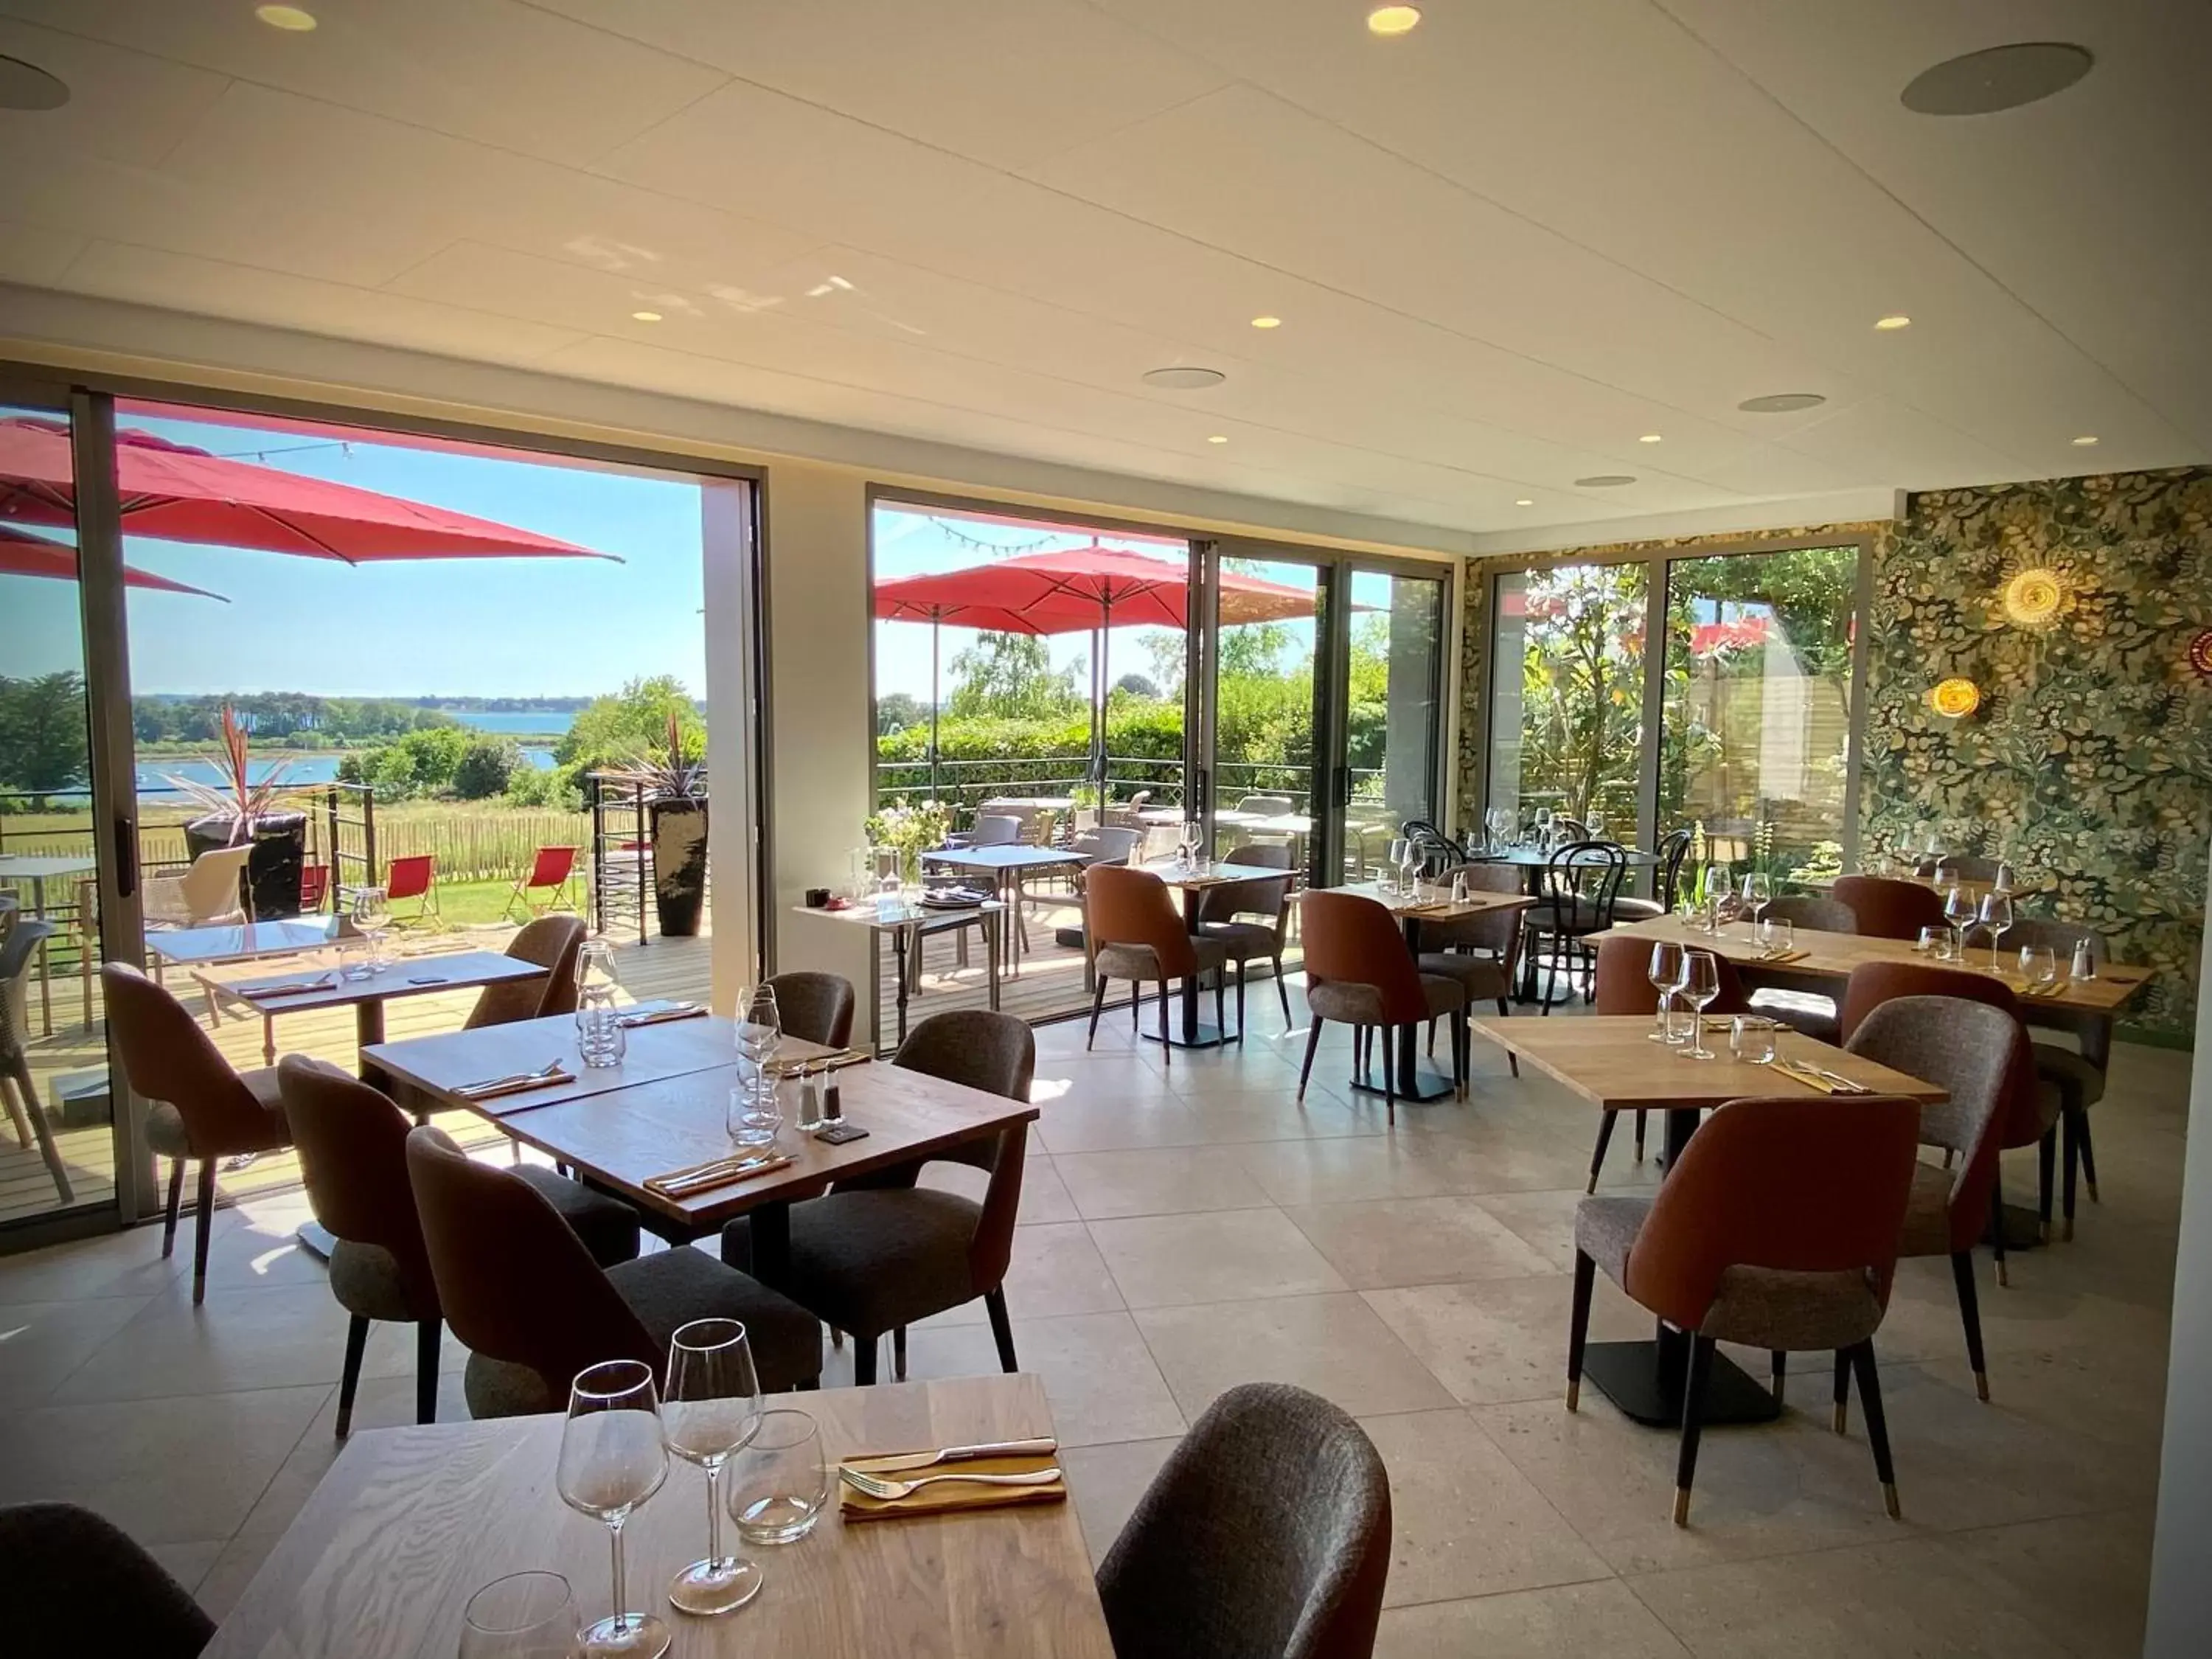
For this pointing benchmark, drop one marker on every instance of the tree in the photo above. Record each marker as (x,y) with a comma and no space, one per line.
(1010,677)
(623,727)
(1167,654)
(486,765)
(897,710)
(43,745)
(1136,685)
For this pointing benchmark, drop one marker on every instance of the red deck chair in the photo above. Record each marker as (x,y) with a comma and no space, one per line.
(415,879)
(553,872)
(315,887)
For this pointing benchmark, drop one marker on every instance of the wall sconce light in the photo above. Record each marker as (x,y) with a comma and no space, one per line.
(2033,598)
(1955,698)
(2200,654)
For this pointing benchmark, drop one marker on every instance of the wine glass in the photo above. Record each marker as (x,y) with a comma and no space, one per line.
(711,1412)
(2039,966)
(1500,822)
(1757,894)
(372,919)
(1958,911)
(1397,861)
(597,1034)
(1701,983)
(613,1458)
(1410,863)
(1596,825)
(760,1033)
(1997,916)
(1194,837)
(524,1615)
(1665,974)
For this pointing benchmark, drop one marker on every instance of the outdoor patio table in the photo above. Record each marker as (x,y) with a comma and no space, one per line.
(906,926)
(1007,866)
(36,870)
(403,976)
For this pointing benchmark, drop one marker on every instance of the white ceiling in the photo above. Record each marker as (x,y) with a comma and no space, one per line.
(1503,248)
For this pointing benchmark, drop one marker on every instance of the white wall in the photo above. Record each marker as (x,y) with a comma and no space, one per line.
(2181,1565)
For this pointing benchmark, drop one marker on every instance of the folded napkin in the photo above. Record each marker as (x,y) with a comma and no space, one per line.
(493,1088)
(1812,1078)
(287,987)
(661,1015)
(715,1172)
(1769,959)
(950,1496)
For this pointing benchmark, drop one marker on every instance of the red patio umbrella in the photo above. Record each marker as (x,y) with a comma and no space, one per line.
(23,554)
(179,494)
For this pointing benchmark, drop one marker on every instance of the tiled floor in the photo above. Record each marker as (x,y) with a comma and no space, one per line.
(1191,1228)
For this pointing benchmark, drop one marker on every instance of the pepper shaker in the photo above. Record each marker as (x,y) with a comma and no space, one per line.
(2085,967)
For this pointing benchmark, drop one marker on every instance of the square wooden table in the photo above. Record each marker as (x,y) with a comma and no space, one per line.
(1609,1060)
(428,1073)
(1191,881)
(410,1522)
(620,1138)
(402,977)
(906,925)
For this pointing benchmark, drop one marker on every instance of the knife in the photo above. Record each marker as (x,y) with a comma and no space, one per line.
(922,1459)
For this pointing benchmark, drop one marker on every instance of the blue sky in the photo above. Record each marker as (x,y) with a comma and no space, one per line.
(466,628)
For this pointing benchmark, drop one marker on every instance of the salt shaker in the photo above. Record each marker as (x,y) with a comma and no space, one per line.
(1459,887)
(2085,967)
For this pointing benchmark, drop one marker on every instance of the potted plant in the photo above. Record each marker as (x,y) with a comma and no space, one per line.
(910,831)
(676,806)
(235,809)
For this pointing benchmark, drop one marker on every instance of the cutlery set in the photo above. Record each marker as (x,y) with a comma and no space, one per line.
(547,1076)
(1817,1077)
(872,1477)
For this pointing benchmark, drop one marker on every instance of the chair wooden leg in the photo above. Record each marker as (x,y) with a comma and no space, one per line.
(1877,1424)
(427,1334)
(1136,1002)
(1240,998)
(1459,1053)
(1097,1006)
(864,1361)
(1313,1042)
(1432,1036)
(1777,1370)
(898,1353)
(1386,1036)
(1996,1227)
(1283,990)
(176,1203)
(1597,1155)
(2046,1164)
(1693,1422)
(1167,1049)
(1220,1006)
(202,1224)
(2089,1154)
(1639,1137)
(1002,1329)
(1578,1326)
(1842,1416)
(2069,1143)
(349,1378)
(1970,1315)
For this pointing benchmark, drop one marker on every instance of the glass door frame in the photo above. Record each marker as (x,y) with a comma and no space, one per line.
(1660,560)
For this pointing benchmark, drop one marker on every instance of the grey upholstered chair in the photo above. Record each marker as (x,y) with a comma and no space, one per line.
(1265,1535)
(815,1008)
(1219,906)
(875,1255)
(518,1287)
(74,1583)
(352,1141)
(18,942)
(550,943)
(2078,1073)
(1806,1011)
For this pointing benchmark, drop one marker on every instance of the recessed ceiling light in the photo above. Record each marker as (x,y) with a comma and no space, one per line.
(645,316)
(1217,439)
(1524,502)
(1393,20)
(26,86)
(1266,322)
(1605,481)
(1781,403)
(1651,438)
(1997,78)
(1892,323)
(1183,377)
(291,18)
(2085,441)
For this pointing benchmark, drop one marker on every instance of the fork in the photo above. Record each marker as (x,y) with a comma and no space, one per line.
(874,1485)
(545,1070)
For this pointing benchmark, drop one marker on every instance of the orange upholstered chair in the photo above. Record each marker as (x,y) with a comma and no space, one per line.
(1887,908)
(1625,986)
(1137,934)
(1360,973)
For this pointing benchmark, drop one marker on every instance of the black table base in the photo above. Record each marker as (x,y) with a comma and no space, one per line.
(1204,1035)
(1644,1379)
(1411,1091)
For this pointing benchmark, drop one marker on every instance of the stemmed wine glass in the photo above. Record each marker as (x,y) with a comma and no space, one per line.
(1757,894)
(372,919)
(1958,911)
(760,1032)
(1665,975)
(1186,849)
(1699,984)
(1399,845)
(712,1413)
(1997,916)
(1410,863)
(613,1458)
(1500,822)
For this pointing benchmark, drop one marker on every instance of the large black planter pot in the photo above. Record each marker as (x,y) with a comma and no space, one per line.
(679,864)
(273,869)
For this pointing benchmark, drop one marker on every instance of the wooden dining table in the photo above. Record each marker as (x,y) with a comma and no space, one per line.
(1609,1061)
(410,1522)
(401,977)
(1190,882)
(626,1129)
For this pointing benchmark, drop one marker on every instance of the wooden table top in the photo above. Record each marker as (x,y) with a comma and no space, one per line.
(2023,885)
(1480,903)
(437,1065)
(403,976)
(410,1522)
(1609,1060)
(623,1137)
(862,913)
(241,943)
(1832,956)
(1214,874)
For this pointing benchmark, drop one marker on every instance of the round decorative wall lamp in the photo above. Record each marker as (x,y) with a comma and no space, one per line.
(2200,654)
(1955,698)
(2033,597)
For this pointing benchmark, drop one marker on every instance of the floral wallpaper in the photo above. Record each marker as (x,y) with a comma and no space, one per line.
(2089,759)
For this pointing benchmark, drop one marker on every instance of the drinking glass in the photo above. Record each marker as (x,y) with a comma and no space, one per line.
(760,1033)
(755,1115)
(1665,974)
(1775,934)
(1409,866)
(712,1411)
(1997,916)
(1701,983)
(2038,965)
(372,919)
(613,1458)
(1397,861)
(353,959)
(1544,827)
(1935,942)
(1596,825)
(1958,911)
(599,1033)
(524,1615)
(1751,1039)
(780,1483)
(1757,894)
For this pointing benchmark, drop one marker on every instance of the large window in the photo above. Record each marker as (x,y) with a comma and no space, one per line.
(1567,693)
